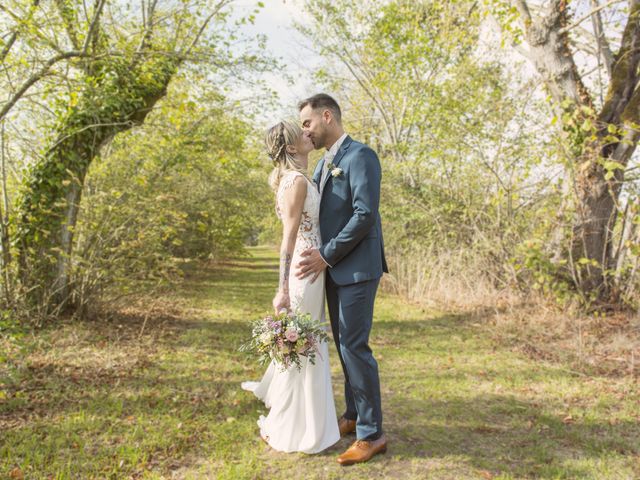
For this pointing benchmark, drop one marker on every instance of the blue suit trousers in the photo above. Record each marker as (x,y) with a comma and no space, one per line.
(351,314)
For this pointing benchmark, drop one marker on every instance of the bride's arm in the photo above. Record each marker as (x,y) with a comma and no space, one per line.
(291,211)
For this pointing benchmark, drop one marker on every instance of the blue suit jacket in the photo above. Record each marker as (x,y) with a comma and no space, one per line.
(350,224)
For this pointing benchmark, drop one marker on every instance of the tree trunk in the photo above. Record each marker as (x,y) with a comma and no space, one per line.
(593,230)
(592,144)
(61,281)
(627,232)
(597,195)
(49,202)
(4,225)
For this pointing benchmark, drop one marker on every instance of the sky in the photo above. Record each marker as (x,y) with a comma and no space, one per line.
(276,21)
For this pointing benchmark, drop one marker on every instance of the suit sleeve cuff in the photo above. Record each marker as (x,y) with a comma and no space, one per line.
(323,259)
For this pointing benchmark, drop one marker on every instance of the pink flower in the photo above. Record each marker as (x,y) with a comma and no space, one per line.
(291,334)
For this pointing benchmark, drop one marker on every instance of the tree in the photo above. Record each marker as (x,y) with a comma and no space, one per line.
(127,58)
(188,184)
(601,135)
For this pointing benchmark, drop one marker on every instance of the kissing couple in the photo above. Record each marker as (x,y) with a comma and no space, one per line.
(331,246)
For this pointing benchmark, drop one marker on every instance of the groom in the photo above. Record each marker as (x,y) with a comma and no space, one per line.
(352,248)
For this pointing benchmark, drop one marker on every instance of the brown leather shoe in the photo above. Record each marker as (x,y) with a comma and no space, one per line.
(346,426)
(363,450)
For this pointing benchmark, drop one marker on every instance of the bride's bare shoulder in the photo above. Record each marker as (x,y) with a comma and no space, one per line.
(293,178)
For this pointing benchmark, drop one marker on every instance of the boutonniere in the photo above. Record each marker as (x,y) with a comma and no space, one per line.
(335,171)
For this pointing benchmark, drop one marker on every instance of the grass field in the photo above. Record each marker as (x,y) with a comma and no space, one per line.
(154,392)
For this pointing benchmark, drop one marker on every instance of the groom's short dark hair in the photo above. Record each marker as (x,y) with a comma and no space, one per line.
(322,100)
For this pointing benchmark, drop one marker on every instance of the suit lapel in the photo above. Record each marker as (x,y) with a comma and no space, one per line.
(336,160)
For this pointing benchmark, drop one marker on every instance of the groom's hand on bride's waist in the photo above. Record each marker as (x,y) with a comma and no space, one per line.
(312,264)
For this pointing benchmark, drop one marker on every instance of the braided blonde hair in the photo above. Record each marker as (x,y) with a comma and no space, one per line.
(276,140)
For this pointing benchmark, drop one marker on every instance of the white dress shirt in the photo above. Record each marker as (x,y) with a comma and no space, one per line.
(328,158)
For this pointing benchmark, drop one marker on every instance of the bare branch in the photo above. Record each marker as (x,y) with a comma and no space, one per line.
(375,98)
(53,60)
(37,76)
(93,26)
(148,25)
(621,99)
(550,53)
(588,15)
(603,44)
(70,21)
(14,35)
(8,45)
(523,10)
(196,39)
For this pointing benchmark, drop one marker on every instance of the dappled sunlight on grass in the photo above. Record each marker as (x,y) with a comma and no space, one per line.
(109,399)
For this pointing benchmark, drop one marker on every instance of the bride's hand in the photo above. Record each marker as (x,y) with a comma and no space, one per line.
(280,301)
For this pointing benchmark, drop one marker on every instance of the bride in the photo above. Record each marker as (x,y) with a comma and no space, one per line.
(302,416)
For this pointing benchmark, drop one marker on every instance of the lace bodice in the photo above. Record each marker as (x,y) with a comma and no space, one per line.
(309,230)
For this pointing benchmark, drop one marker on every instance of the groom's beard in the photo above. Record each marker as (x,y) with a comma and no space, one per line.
(318,141)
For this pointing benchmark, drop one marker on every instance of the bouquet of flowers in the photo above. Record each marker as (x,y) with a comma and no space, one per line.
(286,338)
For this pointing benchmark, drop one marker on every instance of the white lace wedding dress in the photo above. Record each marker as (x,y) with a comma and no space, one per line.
(302,415)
